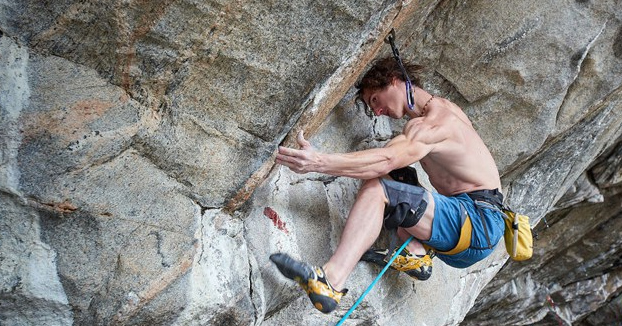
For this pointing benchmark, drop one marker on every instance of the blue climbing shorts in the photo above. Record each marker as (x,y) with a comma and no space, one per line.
(447,224)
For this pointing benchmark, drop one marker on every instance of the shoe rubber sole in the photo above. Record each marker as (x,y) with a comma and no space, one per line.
(311,279)
(291,268)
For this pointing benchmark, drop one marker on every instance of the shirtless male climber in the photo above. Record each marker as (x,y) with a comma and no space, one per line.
(459,165)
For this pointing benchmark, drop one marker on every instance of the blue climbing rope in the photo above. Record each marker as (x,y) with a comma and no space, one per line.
(360,299)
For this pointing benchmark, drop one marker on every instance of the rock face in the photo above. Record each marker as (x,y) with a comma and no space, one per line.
(137,141)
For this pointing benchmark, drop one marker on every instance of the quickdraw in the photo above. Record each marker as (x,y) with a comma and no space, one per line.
(390,39)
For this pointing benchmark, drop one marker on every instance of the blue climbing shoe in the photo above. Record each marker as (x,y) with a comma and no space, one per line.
(416,266)
(312,279)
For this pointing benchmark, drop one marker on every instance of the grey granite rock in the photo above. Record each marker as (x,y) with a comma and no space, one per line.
(137,141)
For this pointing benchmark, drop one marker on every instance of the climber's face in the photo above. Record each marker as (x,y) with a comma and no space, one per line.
(388,101)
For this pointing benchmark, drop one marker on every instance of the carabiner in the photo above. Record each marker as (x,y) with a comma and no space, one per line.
(410,98)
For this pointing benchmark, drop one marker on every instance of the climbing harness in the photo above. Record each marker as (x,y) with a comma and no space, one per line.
(517,231)
(464,242)
(390,39)
(360,299)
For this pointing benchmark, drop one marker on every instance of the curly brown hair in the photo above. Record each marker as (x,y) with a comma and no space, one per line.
(383,71)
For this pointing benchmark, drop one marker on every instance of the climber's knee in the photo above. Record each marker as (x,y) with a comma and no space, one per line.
(406,204)
(407,175)
(370,189)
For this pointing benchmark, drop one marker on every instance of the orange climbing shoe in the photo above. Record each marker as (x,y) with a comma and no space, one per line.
(312,279)
(417,267)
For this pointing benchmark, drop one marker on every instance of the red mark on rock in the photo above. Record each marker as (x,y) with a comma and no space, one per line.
(271,214)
